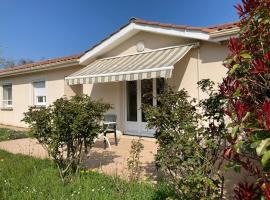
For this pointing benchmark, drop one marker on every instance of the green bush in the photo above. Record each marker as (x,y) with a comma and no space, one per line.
(67,129)
(188,148)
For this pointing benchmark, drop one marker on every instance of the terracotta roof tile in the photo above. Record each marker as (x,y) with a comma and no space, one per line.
(41,63)
(204,29)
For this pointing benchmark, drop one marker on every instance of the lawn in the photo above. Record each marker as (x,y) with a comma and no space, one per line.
(9,134)
(24,177)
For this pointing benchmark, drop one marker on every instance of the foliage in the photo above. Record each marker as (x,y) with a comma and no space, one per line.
(67,129)
(187,147)
(9,134)
(25,178)
(247,93)
(134,163)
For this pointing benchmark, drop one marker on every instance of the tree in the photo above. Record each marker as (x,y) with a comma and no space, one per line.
(6,63)
(247,94)
(67,129)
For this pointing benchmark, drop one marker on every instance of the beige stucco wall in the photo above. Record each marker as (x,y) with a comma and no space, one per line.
(22,92)
(151,42)
(199,63)
(202,62)
(109,93)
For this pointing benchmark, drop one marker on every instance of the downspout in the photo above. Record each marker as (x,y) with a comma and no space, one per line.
(198,71)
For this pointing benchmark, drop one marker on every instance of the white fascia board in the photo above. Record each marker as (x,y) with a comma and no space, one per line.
(111,42)
(223,38)
(193,34)
(131,30)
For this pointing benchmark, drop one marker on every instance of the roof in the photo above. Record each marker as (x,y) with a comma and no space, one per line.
(41,63)
(215,33)
(35,65)
(207,29)
(144,65)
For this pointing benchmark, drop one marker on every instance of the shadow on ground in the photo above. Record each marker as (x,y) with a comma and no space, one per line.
(100,159)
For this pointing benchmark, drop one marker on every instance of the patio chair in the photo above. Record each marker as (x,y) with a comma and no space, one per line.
(110,127)
(105,139)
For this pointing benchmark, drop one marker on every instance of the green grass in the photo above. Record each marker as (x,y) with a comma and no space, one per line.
(23,177)
(9,134)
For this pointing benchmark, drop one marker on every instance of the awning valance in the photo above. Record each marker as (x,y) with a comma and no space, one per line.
(146,65)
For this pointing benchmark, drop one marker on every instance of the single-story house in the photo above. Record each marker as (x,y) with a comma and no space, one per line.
(138,58)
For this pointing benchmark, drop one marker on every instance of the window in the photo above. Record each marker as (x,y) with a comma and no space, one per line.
(39,93)
(146,94)
(7,95)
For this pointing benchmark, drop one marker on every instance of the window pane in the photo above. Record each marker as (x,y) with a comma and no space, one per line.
(7,95)
(131,101)
(160,85)
(41,99)
(147,94)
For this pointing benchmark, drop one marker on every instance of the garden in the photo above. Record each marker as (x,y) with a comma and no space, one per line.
(197,140)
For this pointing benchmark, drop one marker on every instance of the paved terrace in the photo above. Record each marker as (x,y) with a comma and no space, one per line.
(110,162)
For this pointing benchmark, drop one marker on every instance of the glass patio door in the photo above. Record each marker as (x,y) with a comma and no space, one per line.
(138,93)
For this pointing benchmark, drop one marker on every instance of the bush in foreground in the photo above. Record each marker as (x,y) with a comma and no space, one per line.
(188,149)
(247,93)
(67,129)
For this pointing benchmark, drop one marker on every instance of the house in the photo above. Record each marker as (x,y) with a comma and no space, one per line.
(138,58)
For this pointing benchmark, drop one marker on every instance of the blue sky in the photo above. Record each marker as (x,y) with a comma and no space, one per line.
(42,29)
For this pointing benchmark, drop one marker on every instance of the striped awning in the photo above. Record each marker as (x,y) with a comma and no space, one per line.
(146,65)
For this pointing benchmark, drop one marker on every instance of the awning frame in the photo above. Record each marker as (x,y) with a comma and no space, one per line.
(124,73)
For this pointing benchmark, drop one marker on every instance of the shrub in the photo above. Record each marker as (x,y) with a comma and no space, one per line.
(247,94)
(187,147)
(10,134)
(67,129)
(134,163)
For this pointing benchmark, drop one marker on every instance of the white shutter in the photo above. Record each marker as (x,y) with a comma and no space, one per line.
(39,88)
(39,93)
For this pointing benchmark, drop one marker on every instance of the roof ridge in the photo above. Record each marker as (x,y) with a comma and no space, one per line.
(207,29)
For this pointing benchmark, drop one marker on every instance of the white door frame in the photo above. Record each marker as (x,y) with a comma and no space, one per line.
(138,128)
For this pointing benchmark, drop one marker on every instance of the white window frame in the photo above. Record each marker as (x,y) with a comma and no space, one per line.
(35,97)
(5,101)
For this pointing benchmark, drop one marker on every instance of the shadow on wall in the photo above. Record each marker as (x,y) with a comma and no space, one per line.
(210,53)
(77,89)
(111,93)
(179,72)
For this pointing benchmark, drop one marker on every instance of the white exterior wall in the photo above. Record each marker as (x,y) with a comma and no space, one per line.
(22,92)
